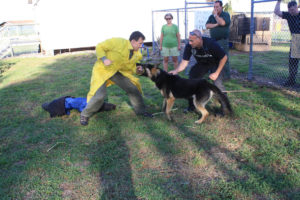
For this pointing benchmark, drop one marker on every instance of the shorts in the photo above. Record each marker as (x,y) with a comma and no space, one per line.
(166,52)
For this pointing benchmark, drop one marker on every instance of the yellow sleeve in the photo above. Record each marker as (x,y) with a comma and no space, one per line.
(104,47)
(140,57)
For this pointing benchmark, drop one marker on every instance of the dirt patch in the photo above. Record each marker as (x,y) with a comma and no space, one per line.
(265,82)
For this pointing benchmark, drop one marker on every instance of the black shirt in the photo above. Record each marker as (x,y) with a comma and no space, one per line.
(293,21)
(210,53)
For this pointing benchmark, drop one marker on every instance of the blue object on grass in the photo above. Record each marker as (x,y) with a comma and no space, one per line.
(78,103)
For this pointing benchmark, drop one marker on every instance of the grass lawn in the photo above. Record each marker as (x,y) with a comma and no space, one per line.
(253,155)
(272,65)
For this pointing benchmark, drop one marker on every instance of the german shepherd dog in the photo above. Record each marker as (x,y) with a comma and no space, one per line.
(173,86)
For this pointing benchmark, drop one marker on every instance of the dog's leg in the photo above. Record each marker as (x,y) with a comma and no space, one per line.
(204,114)
(164,105)
(200,108)
(170,103)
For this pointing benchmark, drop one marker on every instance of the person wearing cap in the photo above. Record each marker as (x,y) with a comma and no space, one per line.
(210,58)
(169,42)
(218,24)
(116,64)
(293,19)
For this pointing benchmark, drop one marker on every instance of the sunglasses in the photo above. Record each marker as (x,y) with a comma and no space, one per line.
(195,34)
(168,18)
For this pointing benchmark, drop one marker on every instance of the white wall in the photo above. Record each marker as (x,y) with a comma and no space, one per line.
(11,10)
(78,23)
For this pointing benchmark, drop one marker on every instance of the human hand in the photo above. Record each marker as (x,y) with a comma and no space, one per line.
(139,69)
(160,48)
(107,62)
(174,72)
(215,12)
(179,47)
(214,76)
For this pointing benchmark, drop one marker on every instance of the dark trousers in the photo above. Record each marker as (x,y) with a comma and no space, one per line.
(293,69)
(123,82)
(224,43)
(199,70)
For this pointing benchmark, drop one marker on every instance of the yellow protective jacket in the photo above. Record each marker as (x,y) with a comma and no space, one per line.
(117,50)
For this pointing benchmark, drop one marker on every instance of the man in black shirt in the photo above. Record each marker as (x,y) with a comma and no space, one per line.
(210,57)
(293,19)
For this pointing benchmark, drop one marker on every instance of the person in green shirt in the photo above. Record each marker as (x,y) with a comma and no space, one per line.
(169,42)
(218,24)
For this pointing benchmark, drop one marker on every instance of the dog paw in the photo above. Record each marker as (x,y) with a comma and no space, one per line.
(170,118)
(198,121)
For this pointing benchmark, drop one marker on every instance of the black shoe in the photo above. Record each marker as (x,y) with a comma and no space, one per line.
(107,107)
(146,114)
(84,120)
(189,109)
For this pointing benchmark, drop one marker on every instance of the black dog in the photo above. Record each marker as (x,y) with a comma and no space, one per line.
(173,86)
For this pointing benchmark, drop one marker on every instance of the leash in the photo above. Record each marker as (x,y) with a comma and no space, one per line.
(233,91)
(158,113)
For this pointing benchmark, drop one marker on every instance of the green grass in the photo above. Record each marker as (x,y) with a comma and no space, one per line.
(18,50)
(271,65)
(253,155)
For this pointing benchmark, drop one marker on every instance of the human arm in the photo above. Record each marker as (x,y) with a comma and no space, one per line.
(161,40)
(102,49)
(215,75)
(211,23)
(178,39)
(182,66)
(210,26)
(215,20)
(220,20)
(277,9)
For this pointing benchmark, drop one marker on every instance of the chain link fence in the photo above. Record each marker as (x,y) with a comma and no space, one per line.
(271,44)
(268,63)
(187,19)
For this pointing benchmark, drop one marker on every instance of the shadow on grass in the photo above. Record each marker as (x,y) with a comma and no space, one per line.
(111,159)
(42,157)
(241,176)
(27,132)
(248,177)
(30,171)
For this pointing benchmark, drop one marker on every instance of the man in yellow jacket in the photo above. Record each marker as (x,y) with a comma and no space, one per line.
(116,64)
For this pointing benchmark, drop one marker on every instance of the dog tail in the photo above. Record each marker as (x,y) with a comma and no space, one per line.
(222,98)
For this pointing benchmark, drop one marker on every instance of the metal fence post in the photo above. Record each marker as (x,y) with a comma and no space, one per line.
(251,42)
(153,43)
(178,19)
(185,21)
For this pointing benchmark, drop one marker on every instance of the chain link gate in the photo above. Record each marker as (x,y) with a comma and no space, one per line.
(187,19)
(269,43)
